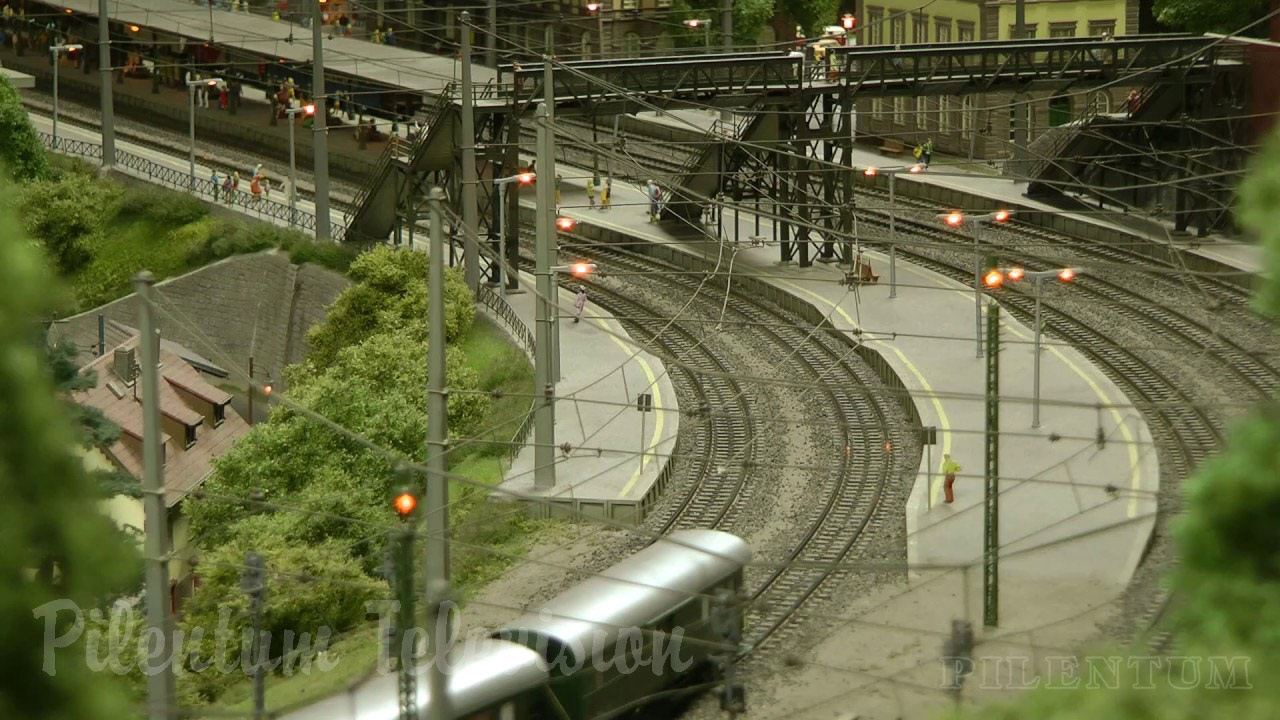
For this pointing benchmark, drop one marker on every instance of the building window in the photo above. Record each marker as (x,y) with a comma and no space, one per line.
(1028,31)
(1102,27)
(944,114)
(966,116)
(897,29)
(630,4)
(631,42)
(584,46)
(1059,110)
(922,112)
(664,3)
(1062,29)
(942,28)
(899,104)
(875,26)
(964,31)
(190,435)
(219,414)
(920,28)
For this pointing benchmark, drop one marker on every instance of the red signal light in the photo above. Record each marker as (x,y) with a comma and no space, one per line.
(993,279)
(134,28)
(593,7)
(1066,274)
(1001,216)
(869,172)
(915,169)
(849,22)
(1015,273)
(309,109)
(404,503)
(525,178)
(566,223)
(581,269)
(954,219)
(690,23)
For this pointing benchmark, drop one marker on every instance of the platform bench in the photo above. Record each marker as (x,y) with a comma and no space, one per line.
(892,147)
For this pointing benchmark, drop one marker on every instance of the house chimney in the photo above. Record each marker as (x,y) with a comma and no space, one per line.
(123,364)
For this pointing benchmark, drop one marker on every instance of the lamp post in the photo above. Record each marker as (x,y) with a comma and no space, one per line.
(1015,273)
(293,168)
(524,178)
(191,97)
(57,50)
(893,227)
(955,219)
(597,9)
(578,269)
(705,24)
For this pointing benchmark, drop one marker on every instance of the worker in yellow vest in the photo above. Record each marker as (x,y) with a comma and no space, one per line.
(949,469)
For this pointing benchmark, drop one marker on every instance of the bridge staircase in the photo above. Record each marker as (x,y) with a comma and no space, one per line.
(726,150)
(373,213)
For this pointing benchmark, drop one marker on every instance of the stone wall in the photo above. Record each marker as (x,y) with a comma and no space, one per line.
(256,305)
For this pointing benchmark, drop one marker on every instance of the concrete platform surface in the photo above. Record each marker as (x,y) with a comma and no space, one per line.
(618,453)
(1073,513)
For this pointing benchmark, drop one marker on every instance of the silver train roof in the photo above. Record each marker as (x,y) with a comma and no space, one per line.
(634,592)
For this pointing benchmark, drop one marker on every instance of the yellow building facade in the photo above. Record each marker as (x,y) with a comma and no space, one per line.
(981,126)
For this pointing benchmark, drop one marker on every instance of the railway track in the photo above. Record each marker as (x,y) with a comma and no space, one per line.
(849,507)
(1185,430)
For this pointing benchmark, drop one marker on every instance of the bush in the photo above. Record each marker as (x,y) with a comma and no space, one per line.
(21,151)
(65,214)
(164,207)
(335,256)
(230,237)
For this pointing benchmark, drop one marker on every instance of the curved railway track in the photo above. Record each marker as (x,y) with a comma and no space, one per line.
(1186,430)
(849,507)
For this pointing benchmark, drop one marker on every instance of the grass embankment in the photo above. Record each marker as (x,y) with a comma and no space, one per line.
(101,232)
(485,540)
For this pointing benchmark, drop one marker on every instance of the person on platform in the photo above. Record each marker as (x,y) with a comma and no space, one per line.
(224,97)
(949,469)
(216,182)
(579,303)
(226,189)
(255,187)
(606,196)
(266,188)
(655,196)
(1133,102)
(926,152)
(235,186)
(559,179)
(591,192)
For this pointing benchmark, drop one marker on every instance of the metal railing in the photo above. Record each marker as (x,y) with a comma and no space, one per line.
(203,188)
(395,149)
(521,332)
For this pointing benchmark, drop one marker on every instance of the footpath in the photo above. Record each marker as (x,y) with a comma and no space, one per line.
(617,455)
(1074,514)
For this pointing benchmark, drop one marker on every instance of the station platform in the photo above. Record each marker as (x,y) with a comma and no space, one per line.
(247,32)
(956,175)
(1075,515)
(618,462)
(244,203)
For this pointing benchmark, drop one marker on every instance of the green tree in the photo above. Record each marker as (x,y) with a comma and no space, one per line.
(312,588)
(66,214)
(1224,16)
(21,151)
(390,292)
(49,511)
(811,15)
(749,17)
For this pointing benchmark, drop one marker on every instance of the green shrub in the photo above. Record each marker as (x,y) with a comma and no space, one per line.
(21,151)
(65,214)
(231,237)
(335,256)
(164,207)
